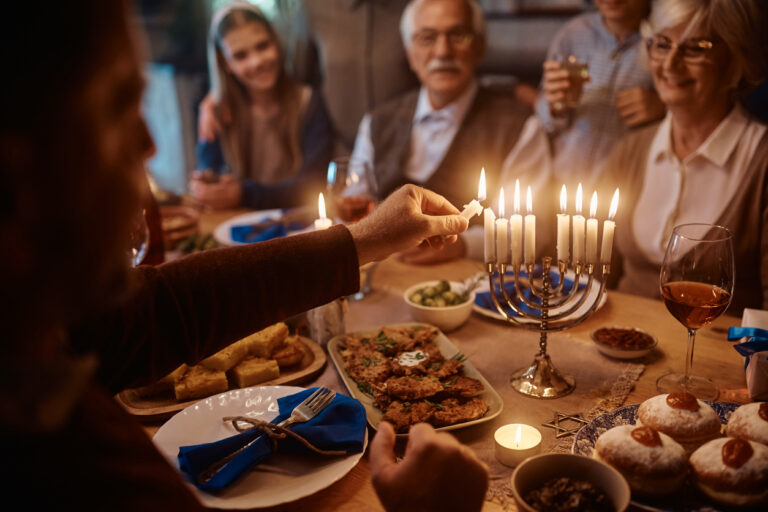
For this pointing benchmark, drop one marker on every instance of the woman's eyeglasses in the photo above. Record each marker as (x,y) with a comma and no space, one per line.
(458,38)
(693,51)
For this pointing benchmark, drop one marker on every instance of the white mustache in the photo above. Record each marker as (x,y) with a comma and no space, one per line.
(444,65)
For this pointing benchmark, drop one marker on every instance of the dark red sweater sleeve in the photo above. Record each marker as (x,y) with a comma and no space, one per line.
(187,309)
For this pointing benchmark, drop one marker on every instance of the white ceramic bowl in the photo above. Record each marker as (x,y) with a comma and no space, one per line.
(446,318)
(536,471)
(622,352)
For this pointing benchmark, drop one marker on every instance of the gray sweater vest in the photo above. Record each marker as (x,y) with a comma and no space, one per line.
(485,137)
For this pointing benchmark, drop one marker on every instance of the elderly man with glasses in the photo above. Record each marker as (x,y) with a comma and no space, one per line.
(442,134)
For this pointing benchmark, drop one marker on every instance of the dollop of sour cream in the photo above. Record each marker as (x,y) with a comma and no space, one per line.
(411,358)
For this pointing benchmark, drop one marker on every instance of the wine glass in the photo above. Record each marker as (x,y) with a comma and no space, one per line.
(139,238)
(696,284)
(357,199)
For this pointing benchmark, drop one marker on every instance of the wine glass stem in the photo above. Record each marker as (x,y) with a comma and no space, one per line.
(689,355)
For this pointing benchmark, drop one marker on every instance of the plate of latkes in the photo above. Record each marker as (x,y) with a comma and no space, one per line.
(689,499)
(411,373)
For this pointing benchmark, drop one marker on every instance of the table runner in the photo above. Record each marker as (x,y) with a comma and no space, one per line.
(497,349)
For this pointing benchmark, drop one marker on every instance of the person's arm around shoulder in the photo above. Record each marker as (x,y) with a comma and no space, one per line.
(437,473)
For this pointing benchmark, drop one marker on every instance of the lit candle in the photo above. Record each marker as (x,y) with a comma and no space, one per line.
(592,231)
(516,228)
(563,228)
(474,207)
(516,442)
(578,230)
(488,232)
(322,222)
(530,229)
(502,235)
(608,227)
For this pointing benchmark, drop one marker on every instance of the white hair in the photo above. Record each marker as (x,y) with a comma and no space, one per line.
(406,20)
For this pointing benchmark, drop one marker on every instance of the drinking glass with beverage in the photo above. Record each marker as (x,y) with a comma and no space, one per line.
(696,284)
(578,73)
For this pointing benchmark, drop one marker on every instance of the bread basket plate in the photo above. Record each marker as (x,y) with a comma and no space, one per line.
(283,478)
(447,349)
(688,501)
(164,405)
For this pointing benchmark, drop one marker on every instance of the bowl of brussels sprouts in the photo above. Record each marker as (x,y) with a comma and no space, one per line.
(444,304)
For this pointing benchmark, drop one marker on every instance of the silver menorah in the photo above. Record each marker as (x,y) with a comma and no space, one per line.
(541,379)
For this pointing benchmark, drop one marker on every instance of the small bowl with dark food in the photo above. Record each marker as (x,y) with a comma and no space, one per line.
(563,482)
(623,342)
(445,304)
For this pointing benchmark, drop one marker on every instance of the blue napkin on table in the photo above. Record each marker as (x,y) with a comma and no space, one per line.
(262,231)
(340,426)
(484,300)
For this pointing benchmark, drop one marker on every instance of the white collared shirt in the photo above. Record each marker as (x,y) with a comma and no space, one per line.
(696,189)
(432,132)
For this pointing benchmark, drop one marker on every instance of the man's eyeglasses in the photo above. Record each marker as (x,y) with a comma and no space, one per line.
(692,50)
(458,38)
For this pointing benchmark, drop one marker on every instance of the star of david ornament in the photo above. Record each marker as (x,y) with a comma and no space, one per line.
(561,431)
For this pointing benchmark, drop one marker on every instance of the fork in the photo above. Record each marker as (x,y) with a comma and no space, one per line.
(305,411)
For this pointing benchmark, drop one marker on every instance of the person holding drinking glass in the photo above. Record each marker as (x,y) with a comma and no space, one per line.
(707,160)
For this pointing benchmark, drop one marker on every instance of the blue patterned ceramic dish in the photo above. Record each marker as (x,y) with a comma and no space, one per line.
(688,501)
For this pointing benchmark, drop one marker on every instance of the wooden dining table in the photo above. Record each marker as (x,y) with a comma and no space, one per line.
(714,357)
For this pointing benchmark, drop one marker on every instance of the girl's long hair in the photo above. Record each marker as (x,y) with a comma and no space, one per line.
(232,96)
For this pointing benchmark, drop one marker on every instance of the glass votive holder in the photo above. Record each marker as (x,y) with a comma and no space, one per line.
(516,442)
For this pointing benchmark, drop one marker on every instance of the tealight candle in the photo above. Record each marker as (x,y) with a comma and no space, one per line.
(563,228)
(489,235)
(516,229)
(530,230)
(502,234)
(515,443)
(474,207)
(592,230)
(322,222)
(608,227)
(578,229)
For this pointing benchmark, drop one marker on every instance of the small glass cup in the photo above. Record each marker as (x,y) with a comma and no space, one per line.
(578,73)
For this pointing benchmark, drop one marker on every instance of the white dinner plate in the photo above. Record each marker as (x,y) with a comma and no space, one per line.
(280,479)
(223,232)
(493,313)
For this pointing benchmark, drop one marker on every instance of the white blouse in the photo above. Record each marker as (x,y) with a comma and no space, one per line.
(696,189)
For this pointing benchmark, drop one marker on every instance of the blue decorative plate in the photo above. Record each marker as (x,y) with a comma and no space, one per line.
(690,500)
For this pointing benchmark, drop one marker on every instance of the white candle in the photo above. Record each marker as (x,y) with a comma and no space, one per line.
(592,231)
(530,230)
(608,227)
(516,442)
(516,229)
(502,235)
(578,230)
(488,233)
(563,228)
(474,207)
(322,222)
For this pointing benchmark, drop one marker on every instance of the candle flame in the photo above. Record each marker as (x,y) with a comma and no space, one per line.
(518,435)
(321,205)
(529,202)
(501,202)
(481,186)
(516,203)
(614,205)
(578,200)
(563,200)
(593,205)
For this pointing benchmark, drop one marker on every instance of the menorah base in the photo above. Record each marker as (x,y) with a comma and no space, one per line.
(542,379)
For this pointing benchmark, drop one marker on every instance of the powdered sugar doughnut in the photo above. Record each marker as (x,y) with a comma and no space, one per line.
(684,418)
(652,462)
(749,422)
(732,471)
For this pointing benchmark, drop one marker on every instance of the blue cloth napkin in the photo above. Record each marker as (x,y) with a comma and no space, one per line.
(758,341)
(485,301)
(262,231)
(340,426)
